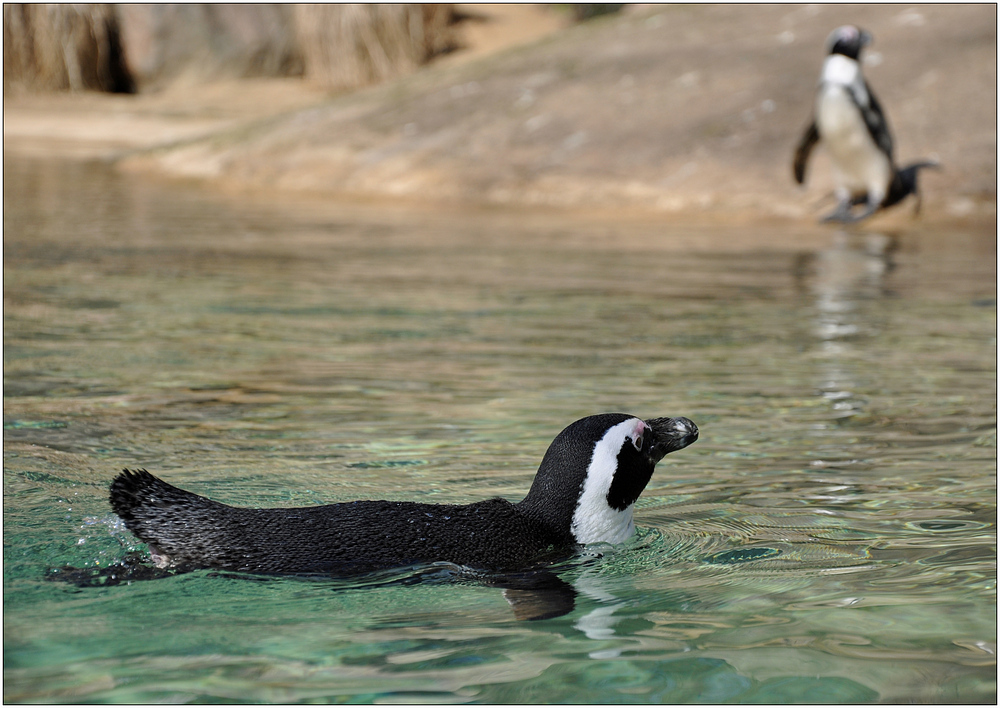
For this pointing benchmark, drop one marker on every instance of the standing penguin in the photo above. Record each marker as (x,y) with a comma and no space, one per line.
(849,120)
(583,492)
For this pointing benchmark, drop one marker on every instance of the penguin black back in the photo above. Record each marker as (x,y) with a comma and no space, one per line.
(345,538)
(583,492)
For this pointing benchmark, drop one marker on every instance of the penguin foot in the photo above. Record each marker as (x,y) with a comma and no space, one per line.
(843,214)
(126,571)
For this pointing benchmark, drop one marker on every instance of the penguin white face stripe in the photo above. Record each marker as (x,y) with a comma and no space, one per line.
(594,521)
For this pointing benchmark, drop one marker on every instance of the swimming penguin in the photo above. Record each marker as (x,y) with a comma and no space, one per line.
(849,120)
(583,492)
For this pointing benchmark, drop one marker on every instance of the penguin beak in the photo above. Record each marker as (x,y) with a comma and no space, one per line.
(865,39)
(672,434)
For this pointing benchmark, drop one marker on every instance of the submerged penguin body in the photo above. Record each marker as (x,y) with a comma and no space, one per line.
(584,492)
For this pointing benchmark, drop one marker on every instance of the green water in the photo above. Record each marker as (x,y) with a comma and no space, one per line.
(830,538)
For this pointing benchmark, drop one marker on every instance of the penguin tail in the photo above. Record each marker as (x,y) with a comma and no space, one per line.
(160,514)
(904,183)
(135,492)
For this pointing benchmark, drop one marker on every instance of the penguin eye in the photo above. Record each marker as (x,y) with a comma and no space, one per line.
(637,442)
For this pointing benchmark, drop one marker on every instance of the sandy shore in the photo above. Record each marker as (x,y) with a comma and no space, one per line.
(682,111)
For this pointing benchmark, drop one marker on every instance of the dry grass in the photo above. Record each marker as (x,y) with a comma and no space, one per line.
(59,47)
(352,45)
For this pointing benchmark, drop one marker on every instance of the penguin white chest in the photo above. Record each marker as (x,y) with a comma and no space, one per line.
(595,520)
(858,162)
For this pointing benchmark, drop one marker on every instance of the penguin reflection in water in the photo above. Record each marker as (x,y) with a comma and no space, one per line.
(584,492)
(849,120)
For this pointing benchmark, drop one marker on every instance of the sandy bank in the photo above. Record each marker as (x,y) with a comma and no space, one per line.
(667,110)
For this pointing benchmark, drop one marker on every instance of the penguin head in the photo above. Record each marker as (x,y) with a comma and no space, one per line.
(596,468)
(849,41)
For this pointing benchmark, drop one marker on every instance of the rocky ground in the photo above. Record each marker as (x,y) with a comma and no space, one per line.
(689,110)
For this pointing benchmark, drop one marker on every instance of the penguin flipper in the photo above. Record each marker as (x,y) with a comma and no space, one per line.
(802,151)
(536,595)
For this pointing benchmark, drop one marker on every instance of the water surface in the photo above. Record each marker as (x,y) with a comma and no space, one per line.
(830,538)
